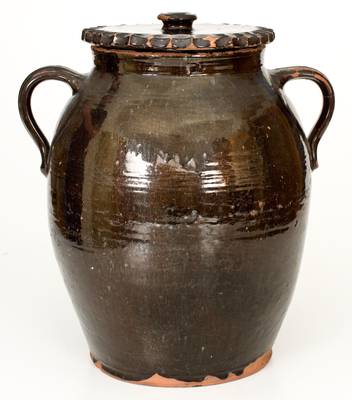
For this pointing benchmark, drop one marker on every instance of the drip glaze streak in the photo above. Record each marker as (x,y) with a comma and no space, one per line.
(158,380)
(179,188)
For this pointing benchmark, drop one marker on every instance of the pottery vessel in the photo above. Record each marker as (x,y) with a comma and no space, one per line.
(179,180)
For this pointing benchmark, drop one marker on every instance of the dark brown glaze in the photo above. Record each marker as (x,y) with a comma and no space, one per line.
(178,34)
(57,73)
(282,75)
(186,42)
(178,192)
(177,23)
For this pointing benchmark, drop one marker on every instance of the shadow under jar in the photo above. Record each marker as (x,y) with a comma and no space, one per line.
(179,181)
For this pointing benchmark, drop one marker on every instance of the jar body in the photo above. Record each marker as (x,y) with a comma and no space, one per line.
(178,195)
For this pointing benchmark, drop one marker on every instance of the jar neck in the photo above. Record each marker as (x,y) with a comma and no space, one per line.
(127,61)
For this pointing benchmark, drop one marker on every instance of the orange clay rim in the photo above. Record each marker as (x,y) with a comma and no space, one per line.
(161,381)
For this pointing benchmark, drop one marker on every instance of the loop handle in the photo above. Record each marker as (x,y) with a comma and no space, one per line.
(72,78)
(282,75)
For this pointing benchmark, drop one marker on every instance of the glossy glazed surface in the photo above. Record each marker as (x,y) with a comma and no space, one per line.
(178,208)
(178,33)
(178,190)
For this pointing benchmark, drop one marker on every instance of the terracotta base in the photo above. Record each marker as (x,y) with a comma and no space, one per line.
(161,381)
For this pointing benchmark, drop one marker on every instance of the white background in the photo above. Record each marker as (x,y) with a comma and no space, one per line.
(43,354)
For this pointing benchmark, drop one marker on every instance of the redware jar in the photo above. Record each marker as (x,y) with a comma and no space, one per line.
(179,181)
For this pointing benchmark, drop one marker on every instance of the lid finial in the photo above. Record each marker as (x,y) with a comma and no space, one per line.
(177,22)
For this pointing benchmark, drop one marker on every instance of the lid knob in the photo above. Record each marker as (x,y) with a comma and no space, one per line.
(177,22)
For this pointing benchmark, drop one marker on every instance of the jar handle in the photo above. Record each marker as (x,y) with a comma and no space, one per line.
(72,78)
(282,75)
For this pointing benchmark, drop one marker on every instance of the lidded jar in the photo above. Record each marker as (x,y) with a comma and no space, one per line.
(179,181)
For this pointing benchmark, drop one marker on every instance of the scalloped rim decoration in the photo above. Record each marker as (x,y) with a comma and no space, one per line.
(177,42)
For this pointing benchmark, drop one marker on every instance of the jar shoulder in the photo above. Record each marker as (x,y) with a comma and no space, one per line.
(120,157)
(179,115)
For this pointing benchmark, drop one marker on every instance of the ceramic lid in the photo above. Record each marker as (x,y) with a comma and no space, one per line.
(178,34)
